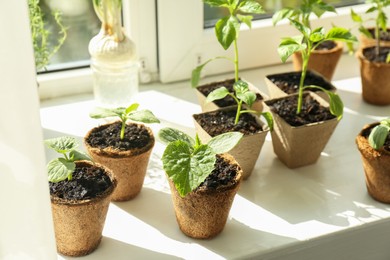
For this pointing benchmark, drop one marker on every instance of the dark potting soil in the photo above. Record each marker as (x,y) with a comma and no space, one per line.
(289,82)
(136,136)
(311,111)
(222,121)
(386,146)
(371,55)
(383,35)
(326,45)
(86,183)
(224,174)
(226,101)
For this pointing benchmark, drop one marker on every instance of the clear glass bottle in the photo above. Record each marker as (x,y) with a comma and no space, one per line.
(113,58)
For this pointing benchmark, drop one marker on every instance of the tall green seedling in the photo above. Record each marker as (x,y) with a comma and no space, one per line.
(62,168)
(227,31)
(305,43)
(187,161)
(125,114)
(377,6)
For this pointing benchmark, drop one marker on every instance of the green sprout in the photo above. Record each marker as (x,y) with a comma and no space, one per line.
(379,133)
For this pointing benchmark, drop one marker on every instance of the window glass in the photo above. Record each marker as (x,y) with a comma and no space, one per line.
(211,15)
(82,24)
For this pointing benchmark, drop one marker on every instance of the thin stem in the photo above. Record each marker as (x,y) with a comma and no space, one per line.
(235,60)
(122,135)
(238,112)
(305,61)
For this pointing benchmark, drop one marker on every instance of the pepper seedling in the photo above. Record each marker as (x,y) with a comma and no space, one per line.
(227,30)
(305,44)
(187,161)
(62,168)
(125,114)
(379,133)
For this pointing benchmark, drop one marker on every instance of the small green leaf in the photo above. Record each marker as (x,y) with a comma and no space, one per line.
(195,76)
(385,122)
(62,144)
(355,17)
(78,156)
(317,36)
(365,32)
(247,19)
(100,112)
(131,108)
(270,120)
(168,135)
(382,21)
(226,32)
(371,9)
(216,3)
(250,6)
(377,137)
(336,105)
(301,28)
(223,143)
(144,116)
(59,169)
(287,47)
(217,94)
(338,33)
(282,14)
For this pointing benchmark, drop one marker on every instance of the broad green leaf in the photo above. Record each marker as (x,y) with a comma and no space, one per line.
(319,8)
(378,136)
(287,47)
(223,143)
(144,116)
(187,170)
(355,17)
(59,169)
(282,14)
(371,9)
(337,33)
(240,87)
(248,98)
(101,112)
(336,105)
(301,28)
(216,3)
(270,120)
(217,94)
(386,122)
(131,108)
(226,32)
(250,7)
(62,144)
(247,19)
(317,36)
(78,155)
(168,135)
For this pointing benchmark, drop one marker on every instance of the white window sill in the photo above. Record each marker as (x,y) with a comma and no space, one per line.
(320,211)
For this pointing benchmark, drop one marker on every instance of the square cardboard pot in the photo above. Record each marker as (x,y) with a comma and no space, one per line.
(302,145)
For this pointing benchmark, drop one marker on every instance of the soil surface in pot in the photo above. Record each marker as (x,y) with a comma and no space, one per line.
(86,183)
(383,35)
(371,55)
(136,136)
(326,45)
(289,82)
(386,146)
(222,121)
(311,111)
(228,100)
(224,174)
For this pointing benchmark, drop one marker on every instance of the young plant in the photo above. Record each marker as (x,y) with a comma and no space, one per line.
(379,133)
(380,21)
(227,30)
(302,13)
(62,168)
(188,162)
(305,44)
(124,114)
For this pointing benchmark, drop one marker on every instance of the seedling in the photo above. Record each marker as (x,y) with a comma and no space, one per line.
(227,30)
(305,44)
(188,162)
(124,114)
(380,21)
(379,133)
(62,168)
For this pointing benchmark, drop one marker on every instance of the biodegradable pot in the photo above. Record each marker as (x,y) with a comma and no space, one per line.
(129,167)
(376,165)
(302,145)
(210,106)
(203,212)
(246,151)
(367,42)
(375,79)
(322,61)
(78,225)
(292,79)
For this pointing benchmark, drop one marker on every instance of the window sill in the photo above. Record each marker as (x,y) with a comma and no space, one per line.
(321,211)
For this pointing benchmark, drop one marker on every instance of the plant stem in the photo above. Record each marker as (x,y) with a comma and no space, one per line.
(122,135)
(235,60)
(238,112)
(305,61)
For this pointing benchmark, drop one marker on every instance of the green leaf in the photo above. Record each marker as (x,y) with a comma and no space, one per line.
(217,94)
(355,17)
(251,7)
(168,135)
(243,93)
(378,136)
(317,36)
(131,108)
(226,31)
(270,120)
(382,21)
(287,47)
(301,28)
(187,170)
(223,143)
(371,9)
(319,8)
(365,32)
(385,122)
(78,155)
(62,144)
(59,169)
(340,34)
(282,14)
(100,112)
(144,116)
(336,105)
(216,3)
(247,19)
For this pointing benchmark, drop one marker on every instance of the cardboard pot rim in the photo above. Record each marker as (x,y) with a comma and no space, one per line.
(339,45)
(111,152)
(106,193)
(363,145)
(359,54)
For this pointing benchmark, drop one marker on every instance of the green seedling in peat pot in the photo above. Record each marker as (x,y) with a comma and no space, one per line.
(379,133)
(227,30)
(188,162)
(305,44)
(377,6)
(62,168)
(124,114)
